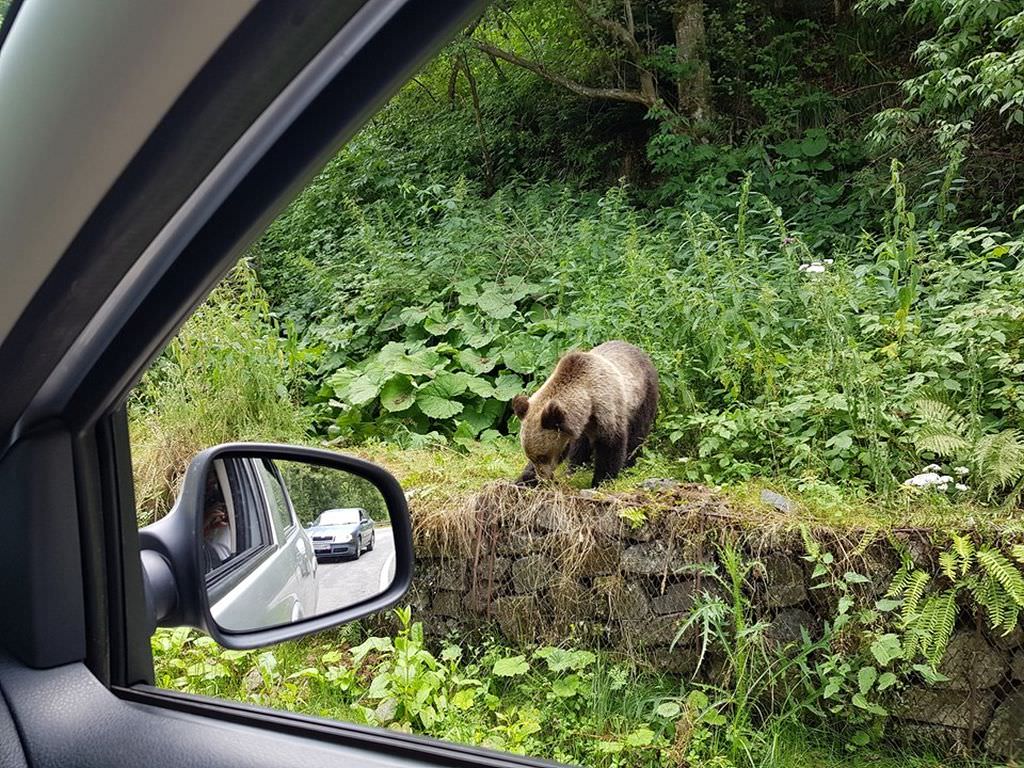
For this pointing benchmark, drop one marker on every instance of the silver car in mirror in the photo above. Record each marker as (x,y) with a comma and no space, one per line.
(270,542)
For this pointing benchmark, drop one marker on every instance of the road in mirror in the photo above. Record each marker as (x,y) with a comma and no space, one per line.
(285,540)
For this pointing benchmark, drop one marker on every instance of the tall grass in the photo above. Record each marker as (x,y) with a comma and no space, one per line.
(228,375)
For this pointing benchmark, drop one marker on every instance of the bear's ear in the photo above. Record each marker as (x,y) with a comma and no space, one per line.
(552,417)
(520,404)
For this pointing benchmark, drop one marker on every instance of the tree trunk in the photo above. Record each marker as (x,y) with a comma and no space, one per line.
(693,90)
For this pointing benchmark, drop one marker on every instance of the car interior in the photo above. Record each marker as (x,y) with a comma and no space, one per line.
(152,143)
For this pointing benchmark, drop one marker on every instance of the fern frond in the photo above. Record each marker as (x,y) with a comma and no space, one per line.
(900,580)
(940,429)
(964,549)
(1000,458)
(938,619)
(911,644)
(949,564)
(932,412)
(989,595)
(912,595)
(1017,551)
(939,441)
(999,567)
(1010,620)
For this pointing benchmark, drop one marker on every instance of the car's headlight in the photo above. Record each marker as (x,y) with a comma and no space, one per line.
(343,538)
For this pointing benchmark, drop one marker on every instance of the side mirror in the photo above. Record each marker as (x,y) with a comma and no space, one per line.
(239,558)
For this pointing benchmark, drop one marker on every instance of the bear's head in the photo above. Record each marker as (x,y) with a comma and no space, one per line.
(545,433)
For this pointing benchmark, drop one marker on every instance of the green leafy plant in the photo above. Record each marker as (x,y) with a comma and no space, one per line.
(997,457)
(930,605)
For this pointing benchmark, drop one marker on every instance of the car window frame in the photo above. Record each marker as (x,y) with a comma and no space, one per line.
(283,533)
(233,571)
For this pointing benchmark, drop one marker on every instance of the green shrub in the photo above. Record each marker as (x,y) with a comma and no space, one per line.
(776,359)
(228,375)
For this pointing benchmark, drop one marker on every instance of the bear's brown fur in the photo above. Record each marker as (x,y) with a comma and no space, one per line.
(598,404)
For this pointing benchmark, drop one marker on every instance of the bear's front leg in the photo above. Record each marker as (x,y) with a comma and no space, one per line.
(609,458)
(528,479)
(579,452)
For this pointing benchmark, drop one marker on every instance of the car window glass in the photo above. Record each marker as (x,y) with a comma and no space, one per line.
(235,522)
(340,517)
(714,543)
(277,498)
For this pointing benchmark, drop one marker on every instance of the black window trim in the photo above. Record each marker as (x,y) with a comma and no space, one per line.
(376,741)
(5,28)
(286,533)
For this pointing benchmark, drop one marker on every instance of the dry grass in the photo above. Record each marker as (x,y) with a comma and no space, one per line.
(461,499)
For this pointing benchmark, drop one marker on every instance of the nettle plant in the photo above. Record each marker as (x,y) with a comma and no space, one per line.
(455,369)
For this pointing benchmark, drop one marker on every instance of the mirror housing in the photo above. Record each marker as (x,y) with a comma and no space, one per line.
(173,574)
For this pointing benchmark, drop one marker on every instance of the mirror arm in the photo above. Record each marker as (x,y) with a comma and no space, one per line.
(160,586)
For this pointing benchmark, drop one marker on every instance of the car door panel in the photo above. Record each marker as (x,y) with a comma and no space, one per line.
(65,717)
(265,597)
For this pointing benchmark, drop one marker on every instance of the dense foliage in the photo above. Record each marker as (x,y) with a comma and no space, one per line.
(801,293)
(776,357)
(755,700)
(805,212)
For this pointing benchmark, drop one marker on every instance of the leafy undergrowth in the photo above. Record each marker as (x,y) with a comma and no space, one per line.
(444,477)
(574,706)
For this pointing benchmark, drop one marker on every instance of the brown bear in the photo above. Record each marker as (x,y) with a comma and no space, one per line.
(598,404)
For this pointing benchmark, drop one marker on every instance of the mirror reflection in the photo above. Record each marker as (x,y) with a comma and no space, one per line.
(284,541)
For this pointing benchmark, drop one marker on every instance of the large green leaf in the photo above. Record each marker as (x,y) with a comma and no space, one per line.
(477,418)
(476,363)
(511,667)
(389,353)
(412,315)
(364,389)
(527,354)
(467,291)
(422,362)
(496,304)
(887,648)
(480,387)
(815,142)
(507,386)
(477,337)
(436,399)
(437,322)
(340,381)
(398,394)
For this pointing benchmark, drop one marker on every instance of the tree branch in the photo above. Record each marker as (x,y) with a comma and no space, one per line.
(609,94)
(613,28)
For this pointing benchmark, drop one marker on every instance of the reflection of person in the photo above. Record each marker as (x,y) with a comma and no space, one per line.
(216,531)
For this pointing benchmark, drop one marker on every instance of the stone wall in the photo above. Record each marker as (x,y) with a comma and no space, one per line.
(540,569)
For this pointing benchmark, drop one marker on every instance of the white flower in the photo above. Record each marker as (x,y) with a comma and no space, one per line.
(923,480)
(815,268)
(961,487)
(829,261)
(961,471)
(932,468)
(944,487)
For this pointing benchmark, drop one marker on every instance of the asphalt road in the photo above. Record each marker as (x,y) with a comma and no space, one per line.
(345,582)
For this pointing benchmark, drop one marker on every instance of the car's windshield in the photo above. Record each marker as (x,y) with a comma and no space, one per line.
(339,517)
